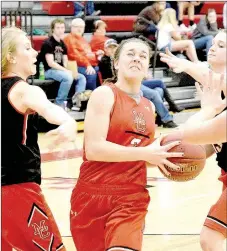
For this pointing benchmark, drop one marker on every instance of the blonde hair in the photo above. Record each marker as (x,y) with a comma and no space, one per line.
(9,45)
(168,17)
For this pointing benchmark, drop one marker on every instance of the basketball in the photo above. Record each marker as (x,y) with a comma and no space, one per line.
(191,164)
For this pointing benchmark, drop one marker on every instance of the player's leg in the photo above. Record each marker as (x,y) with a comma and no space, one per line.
(124,228)
(5,245)
(27,222)
(88,215)
(214,231)
(211,240)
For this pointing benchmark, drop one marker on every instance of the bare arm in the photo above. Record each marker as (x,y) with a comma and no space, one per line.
(198,71)
(65,60)
(208,132)
(97,148)
(35,98)
(53,64)
(204,127)
(97,121)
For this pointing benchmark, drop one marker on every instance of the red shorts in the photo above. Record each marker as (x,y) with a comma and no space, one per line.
(27,222)
(108,217)
(217,216)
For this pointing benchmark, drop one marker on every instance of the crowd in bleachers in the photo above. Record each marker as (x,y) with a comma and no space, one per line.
(158,22)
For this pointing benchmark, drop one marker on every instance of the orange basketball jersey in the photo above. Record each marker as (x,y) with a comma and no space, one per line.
(131,124)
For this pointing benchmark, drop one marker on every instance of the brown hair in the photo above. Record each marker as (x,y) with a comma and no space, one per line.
(55,21)
(117,55)
(9,45)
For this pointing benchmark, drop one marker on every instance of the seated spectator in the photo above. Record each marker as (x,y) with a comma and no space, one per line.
(170,37)
(148,18)
(224,15)
(151,89)
(99,37)
(79,49)
(85,8)
(205,31)
(188,6)
(53,54)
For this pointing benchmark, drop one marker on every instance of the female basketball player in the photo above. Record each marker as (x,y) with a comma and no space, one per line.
(27,222)
(213,130)
(109,202)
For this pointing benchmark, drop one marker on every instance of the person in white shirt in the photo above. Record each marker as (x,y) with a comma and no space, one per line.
(170,37)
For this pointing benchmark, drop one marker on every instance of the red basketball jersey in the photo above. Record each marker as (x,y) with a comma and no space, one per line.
(131,124)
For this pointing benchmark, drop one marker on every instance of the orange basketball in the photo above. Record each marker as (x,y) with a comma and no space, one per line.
(191,164)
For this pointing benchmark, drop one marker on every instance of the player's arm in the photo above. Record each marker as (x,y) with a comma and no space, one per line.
(198,71)
(34,98)
(208,132)
(97,123)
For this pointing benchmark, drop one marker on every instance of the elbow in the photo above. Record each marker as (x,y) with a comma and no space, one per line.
(91,153)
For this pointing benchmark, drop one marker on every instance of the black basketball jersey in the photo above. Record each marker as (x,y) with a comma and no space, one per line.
(20,150)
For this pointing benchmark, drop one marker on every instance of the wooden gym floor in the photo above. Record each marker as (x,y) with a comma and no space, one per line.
(176,211)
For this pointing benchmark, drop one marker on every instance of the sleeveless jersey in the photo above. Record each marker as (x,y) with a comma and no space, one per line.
(20,152)
(131,125)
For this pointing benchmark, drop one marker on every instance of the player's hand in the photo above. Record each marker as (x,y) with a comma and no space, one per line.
(158,154)
(63,134)
(178,65)
(210,93)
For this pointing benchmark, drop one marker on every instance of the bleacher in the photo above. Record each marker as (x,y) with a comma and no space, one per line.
(119,18)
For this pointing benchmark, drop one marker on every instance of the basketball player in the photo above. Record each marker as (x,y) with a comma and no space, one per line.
(27,222)
(109,202)
(213,130)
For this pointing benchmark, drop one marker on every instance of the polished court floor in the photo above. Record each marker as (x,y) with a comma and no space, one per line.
(176,211)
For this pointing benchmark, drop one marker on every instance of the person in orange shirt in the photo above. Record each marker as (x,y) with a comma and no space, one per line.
(79,49)
(110,201)
(99,37)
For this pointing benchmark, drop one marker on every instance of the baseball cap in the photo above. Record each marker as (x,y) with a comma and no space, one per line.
(110,42)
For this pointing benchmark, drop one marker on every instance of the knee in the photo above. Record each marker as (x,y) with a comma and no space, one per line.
(205,241)
(67,78)
(209,37)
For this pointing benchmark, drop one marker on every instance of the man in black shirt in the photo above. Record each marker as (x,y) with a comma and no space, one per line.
(55,61)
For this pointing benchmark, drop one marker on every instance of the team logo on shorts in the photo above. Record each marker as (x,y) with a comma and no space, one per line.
(139,121)
(38,224)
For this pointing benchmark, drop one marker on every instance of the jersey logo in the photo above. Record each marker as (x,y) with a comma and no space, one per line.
(135,142)
(139,121)
(40,229)
(39,226)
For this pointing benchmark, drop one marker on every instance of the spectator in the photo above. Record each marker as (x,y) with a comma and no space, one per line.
(188,6)
(84,8)
(149,17)
(80,51)
(99,37)
(205,31)
(224,15)
(170,37)
(54,57)
(151,89)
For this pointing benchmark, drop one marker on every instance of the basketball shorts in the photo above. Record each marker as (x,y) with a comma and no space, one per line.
(27,222)
(217,216)
(108,218)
